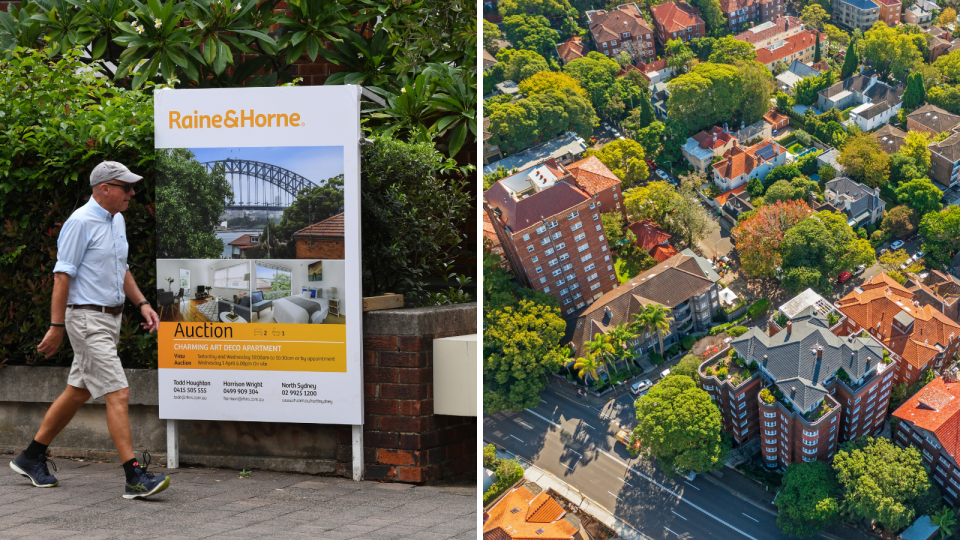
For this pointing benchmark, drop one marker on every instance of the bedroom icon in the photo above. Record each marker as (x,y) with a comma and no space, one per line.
(259,332)
(277,333)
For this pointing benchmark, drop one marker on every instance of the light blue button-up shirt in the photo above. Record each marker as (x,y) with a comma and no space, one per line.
(92,250)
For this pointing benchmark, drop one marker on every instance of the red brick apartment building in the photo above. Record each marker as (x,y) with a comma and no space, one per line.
(739,12)
(930,422)
(677,20)
(322,240)
(889,11)
(917,336)
(821,388)
(550,230)
(622,29)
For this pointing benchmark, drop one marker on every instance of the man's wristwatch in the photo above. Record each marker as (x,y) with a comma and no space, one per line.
(141,304)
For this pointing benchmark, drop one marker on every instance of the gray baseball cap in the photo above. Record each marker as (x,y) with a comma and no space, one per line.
(112,170)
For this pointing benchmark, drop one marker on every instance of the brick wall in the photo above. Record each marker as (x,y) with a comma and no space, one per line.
(403,439)
(320,248)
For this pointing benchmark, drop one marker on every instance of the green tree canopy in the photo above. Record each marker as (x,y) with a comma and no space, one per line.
(949,67)
(544,81)
(712,93)
(190,200)
(688,367)
(712,14)
(899,221)
(809,500)
(782,172)
(941,234)
(819,248)
(915,94)
(881,481)
(921,195)
(311,206)
(797,189)
(864,161)
(491,37)
(946,97)
(548,8)
(542,116)
(500,290)
(595,73)
(851,61)
(890,51)
(625,158)
(679,56)
(915,146)
(680,426)
(521,346)
(903,168)
(814,16)
(729,50)
(517,65)
(531,32)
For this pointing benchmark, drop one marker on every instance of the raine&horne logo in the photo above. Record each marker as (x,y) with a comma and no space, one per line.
(230,119)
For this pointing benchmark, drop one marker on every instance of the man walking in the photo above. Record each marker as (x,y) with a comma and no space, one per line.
(90,280)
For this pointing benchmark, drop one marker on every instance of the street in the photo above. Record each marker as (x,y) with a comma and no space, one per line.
(575,442)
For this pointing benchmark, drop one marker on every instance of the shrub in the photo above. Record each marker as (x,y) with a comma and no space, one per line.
(673,350)
(766,396)
(656,358)
(758,308)
(719,329)
(709,371)
(737,331)
(687,342)
(722,373)
(509,472)
(802,136)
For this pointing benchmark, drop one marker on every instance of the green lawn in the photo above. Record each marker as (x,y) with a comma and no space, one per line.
(846,112)
(625,272)
(796,148)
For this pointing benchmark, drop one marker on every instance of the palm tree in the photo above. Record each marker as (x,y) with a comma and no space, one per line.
(601,349)
(639,324)
(658,319)
(587,365)
(945,520)
(619,336)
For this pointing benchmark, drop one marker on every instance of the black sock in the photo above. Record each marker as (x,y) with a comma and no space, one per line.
(35,450)
(130,467)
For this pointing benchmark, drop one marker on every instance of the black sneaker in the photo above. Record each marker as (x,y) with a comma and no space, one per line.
(35,469)
(144,484)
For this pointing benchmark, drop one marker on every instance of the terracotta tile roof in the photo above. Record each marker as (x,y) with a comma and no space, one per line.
(609,25)
(674,16)
(821,66)
(875,305)
(792,45)
(656,65)
(722,198)
(707,142)
(527,212)
(591,175)
(662,253)
(648,234)
(773,117)
(889,2)
(572,49)
(727,6)
(780,25)
(330,227)
(669,283)
(936,408)
(521,515)
(242,241)
(739,160)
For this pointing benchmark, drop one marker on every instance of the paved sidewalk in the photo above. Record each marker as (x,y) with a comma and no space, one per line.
(216,503)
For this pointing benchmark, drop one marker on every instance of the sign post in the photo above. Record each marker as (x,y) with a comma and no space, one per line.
(258,237)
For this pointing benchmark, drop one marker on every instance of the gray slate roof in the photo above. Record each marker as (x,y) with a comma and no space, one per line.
(862,199)
(792,359)
(802,70)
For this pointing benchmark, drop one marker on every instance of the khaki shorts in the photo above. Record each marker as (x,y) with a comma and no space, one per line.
(94,337)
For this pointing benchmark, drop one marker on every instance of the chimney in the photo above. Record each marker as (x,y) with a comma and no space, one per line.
(793,392)
(868,362)
(789,327)
(819,353)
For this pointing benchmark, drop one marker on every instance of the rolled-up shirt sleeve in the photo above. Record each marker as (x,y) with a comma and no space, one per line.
(71,246)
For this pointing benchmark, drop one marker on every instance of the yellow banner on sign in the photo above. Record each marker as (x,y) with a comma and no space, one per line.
(263,347)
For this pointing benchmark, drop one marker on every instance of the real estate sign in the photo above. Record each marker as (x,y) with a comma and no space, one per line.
(258,254)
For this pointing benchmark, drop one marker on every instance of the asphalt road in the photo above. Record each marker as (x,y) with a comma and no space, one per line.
(576,442)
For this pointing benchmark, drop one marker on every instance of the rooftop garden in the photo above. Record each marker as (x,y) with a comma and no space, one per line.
(730,367)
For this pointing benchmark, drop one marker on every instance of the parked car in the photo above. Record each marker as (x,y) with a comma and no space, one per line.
(860,269)
(896,245)
(641,386)
(843,277)
(919,254)
(688,475)
(662,174)
(882,251)
(664,373)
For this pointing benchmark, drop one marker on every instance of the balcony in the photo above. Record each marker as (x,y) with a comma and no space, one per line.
(727,366)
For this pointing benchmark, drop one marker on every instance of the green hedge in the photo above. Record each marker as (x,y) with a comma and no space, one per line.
(508,472)
(758,308)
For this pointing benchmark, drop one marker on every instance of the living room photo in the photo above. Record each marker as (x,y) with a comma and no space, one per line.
(298,291)
(203,290)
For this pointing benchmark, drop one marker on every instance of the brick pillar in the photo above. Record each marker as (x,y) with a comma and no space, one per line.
(403,439)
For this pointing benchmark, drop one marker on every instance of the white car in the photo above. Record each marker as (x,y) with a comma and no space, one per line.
(688,475)
(664,373)
(662,174)
(897,245)
(641,387)
(607,127)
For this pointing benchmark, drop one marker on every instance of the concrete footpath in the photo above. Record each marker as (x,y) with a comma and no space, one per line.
(216,503)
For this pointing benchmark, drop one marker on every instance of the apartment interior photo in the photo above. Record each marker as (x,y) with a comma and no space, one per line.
(195,290)
(298,291)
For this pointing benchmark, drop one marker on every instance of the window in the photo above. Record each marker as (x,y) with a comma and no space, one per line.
(774,450)
(567,301)
(552,224)
(539,269)
(586,257)
(596,217)
(614,42)
(576,226)
(770,424)
(834,428)
(589,267)
(553,262)
(574,286)
(742,405)
(575,213)
(564,291)
(769,415)
(809,450)
(599,228)
(771,458)
(556,236)
(561,245)
(557,272)
(545,241)
(592,206)
(530,249)
(591,277)
(535,259)
(560,282)
(543,280)
(610,267)
(548,252)
(810,433)
(232,277)
(810,442)
(604,46)
(743,414)
(856,401)
(526,237)
(546,289)
(564,257)
(541,229)
(580,237)
(809,459)
(567,266)
(583,248)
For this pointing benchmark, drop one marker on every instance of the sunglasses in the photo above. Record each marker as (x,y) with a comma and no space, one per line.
(126,187)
